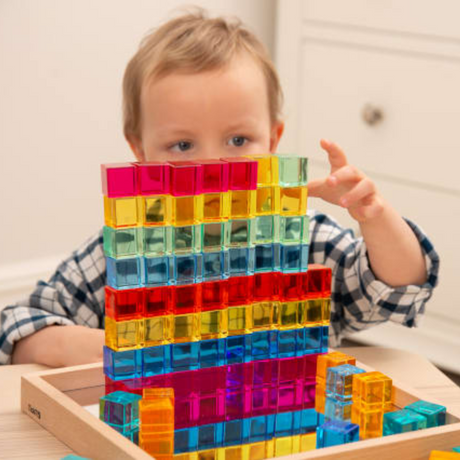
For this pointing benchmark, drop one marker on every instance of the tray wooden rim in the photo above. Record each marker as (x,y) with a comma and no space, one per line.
(71,423)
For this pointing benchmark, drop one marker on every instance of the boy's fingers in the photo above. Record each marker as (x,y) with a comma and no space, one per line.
(337,158)
(316,187)
(359,192)
(347,173)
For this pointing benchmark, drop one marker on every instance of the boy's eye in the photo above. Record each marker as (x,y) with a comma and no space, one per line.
(238,141)
(182,146)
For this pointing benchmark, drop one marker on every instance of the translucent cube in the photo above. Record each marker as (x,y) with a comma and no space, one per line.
(241,232)
(156,241)
(293,170)
(435,414)
(339,381)
(294,229)
(124,242)
(267,229)
(336,432)
(186,240)
(124,273)
(402,421)
(120,409)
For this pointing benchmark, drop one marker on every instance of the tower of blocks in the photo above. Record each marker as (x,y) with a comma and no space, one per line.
(213,316)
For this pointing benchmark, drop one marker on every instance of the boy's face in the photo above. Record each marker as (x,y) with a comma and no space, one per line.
(207,115)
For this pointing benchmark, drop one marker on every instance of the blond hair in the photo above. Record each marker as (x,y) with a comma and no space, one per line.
(192,43)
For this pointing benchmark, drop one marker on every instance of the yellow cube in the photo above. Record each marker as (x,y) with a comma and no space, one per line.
(124,335)
(267,201)
(155,210)
(293,201)
(214,324)
(157,330)
(242,204)
(186,328)
(216,207)
(187,210)
(121,212)
(239,320)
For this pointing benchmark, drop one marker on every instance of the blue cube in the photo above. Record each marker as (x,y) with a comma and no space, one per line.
(210,436)
(402,421)
(215,265)
(122,365)
(187,269)
(233,432)
(294,258)
(185,440)
(238,349)
(324,339)
(157,271)
(287,423)
(185,356)
(336,432)
(241,261)
(124,273)
(313,340)
(263,345)
(339,381)
(435,414)
(212,353)
(257,429)
(337,410)
(267,257)
(309,421)
(156,360)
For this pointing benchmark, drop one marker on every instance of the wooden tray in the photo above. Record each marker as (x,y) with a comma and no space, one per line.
(55,400)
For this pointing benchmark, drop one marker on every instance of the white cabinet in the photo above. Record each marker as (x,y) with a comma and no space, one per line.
(345,64)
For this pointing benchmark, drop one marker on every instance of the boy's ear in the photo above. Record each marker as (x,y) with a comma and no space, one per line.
(275,135)
(136,146)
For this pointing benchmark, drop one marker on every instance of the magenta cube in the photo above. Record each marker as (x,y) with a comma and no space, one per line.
(309,395)
(242,173)
(310,367)
(152,178)
(215,175)
(118,180)
(186,178)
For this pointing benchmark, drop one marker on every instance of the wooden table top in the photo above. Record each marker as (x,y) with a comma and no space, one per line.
(22,438)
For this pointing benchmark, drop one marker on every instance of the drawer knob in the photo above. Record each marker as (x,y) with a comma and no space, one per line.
(371,114)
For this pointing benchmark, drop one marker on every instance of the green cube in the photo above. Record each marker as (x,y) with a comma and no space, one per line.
(186,240)
(124,242)
(293,170)
(241,233)
(213,237)
(294,229)
(156,241)
(267,229)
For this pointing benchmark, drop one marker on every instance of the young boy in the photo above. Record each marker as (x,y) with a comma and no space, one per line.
(205,88)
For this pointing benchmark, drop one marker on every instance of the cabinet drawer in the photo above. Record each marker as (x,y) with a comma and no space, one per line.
(417,139)
(424,17)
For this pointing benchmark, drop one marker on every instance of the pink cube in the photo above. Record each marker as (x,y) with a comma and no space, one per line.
(242,173)
(118,180)
(185,178)
(153,178)
(215,175)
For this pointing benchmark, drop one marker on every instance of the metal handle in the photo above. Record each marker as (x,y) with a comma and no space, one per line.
(371,114)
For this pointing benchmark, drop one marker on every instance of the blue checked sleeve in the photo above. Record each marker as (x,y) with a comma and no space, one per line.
(359,299)
(73,295)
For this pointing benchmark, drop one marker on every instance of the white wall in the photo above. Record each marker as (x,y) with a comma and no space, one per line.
(61,67)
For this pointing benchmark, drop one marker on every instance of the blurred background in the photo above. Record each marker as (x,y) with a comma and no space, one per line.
(380,78)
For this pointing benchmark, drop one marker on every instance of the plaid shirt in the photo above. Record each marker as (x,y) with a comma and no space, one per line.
(75,292)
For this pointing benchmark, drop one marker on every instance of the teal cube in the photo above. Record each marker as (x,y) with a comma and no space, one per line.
(186,240)
(435,414)
(456,449)
(123,242)
(293,170)
(266,229)
(241,233)
(120,410)
(156,241)
(294,229)
(335,433)
(213,237)
(402,421)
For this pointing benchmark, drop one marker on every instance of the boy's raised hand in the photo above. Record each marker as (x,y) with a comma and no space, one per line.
(347,186)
